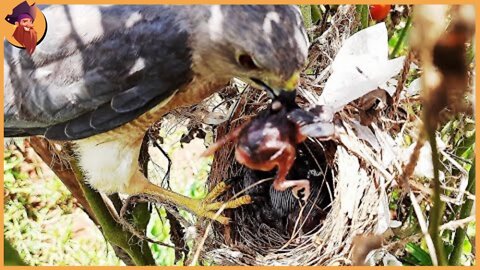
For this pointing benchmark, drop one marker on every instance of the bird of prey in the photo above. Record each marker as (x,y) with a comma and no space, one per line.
(104,74)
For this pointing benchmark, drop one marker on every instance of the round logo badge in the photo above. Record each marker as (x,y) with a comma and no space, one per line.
(28,25)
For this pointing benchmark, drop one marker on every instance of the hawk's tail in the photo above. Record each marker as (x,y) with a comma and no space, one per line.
(17,132)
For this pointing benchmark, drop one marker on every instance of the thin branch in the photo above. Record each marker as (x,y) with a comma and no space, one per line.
(364,15)
(48,153)
(456,224)
(56,162)
(201,243)
(112,230)
(409,168)
(436,212)
(464,212)
(423,227)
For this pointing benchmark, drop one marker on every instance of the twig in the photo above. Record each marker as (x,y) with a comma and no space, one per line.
(438,54)
(55,161)
(409,168)
(112,230)
(420,187)
(323,23)
(217,214)
(456,224)
(132,229)
(436,211)
(92,204)
(363,10)
(423,227)
(196,255)
(403,79)
(454,162)
(464,212)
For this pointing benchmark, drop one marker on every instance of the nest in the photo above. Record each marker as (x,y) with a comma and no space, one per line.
(349,196)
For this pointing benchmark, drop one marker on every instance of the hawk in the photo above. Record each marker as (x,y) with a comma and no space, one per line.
(104,74)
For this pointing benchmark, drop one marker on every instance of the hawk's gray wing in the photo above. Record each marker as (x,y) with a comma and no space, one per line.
(97,68)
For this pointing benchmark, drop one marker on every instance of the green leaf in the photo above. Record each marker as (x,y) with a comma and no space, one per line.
(8,178)
(467,246)
(307,15)
(156,228)
(418,253)
(10,164)
(12,258)
(399,46)
(316,14)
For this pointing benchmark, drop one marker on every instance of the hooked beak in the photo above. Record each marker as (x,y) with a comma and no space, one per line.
(291,84)
(260,84)
(285,95)
(288,86)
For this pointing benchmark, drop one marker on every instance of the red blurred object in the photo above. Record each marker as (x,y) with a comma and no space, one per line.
(379,12)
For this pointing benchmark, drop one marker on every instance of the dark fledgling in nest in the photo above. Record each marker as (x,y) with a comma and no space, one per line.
(273,145)
(270,139)
(281,210)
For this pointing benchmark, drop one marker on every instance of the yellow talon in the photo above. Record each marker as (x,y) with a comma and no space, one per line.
(216,191)
(229,204)
(209,206)
(206,207)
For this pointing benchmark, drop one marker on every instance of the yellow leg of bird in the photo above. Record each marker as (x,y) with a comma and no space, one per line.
(200,207)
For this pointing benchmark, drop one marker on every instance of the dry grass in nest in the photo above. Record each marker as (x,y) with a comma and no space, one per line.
(352,211)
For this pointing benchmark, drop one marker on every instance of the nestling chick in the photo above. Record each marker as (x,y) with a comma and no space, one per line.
(281,210)
(270,139)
